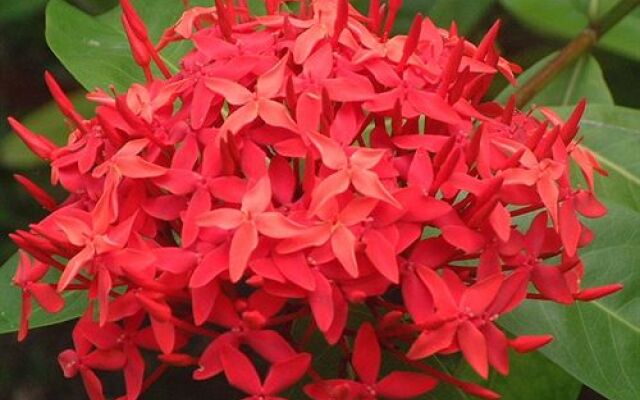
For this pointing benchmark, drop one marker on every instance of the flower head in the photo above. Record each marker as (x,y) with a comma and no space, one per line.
(300,166)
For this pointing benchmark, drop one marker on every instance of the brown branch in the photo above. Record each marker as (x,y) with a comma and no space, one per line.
(572,51)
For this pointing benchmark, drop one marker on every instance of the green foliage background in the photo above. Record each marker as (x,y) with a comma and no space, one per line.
(597,344)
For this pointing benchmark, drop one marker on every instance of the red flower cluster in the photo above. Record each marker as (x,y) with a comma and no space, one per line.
(297,166)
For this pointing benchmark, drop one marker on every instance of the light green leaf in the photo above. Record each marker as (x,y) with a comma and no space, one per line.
(95,49)
(583,79)
(599,342)
(46,120)
(11,300)
(567,18)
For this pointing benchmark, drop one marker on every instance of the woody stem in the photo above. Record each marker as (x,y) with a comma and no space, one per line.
(581,44)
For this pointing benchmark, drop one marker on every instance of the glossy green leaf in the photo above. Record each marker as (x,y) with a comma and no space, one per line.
(47,121)
(599,342)
(567,18)
(583,79)
(11,300)
(95,49)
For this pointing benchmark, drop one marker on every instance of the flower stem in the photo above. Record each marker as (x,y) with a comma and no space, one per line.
(467,387)
(572,51)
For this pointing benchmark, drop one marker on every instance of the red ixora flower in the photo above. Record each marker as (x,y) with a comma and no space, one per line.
(297,166)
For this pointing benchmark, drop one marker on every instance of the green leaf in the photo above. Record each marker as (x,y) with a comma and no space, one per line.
(467,14)
(583,79)
(567,18)
(47,121)
(95,49)
(599,342)
(408,12)
(15,10)
(257,7)
(11,300)
(531,377)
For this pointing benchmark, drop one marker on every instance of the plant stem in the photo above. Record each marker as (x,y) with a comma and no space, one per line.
(578,46)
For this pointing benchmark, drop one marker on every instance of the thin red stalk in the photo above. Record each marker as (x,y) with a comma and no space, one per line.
(155,375)
(196,330)
(465,386)
(282,319)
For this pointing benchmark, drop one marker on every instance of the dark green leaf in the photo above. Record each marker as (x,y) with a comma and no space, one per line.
(532,377)
(599,342)
(467,14)
(583,79)
(47,121)
(567,18)
(16,10)
(408,12)
(11,299)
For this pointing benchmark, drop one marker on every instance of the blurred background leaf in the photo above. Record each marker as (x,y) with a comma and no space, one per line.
(46,119)
(17,10)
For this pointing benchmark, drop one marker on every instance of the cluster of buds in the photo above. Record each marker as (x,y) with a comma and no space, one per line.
(298,166)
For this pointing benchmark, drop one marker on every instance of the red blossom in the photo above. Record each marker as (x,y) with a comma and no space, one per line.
(299,170)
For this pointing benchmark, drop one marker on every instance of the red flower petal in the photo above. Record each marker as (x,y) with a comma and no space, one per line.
(366,354)
(526,344)
(286,373)
(321,302)
(47,297)
(234,93)
(382,254)
(223,218)
(343,244)
(239,371)
(244,241)
(433,341)
(474,347)
(294,267)
(368,184)
(328,188)
(405,385)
